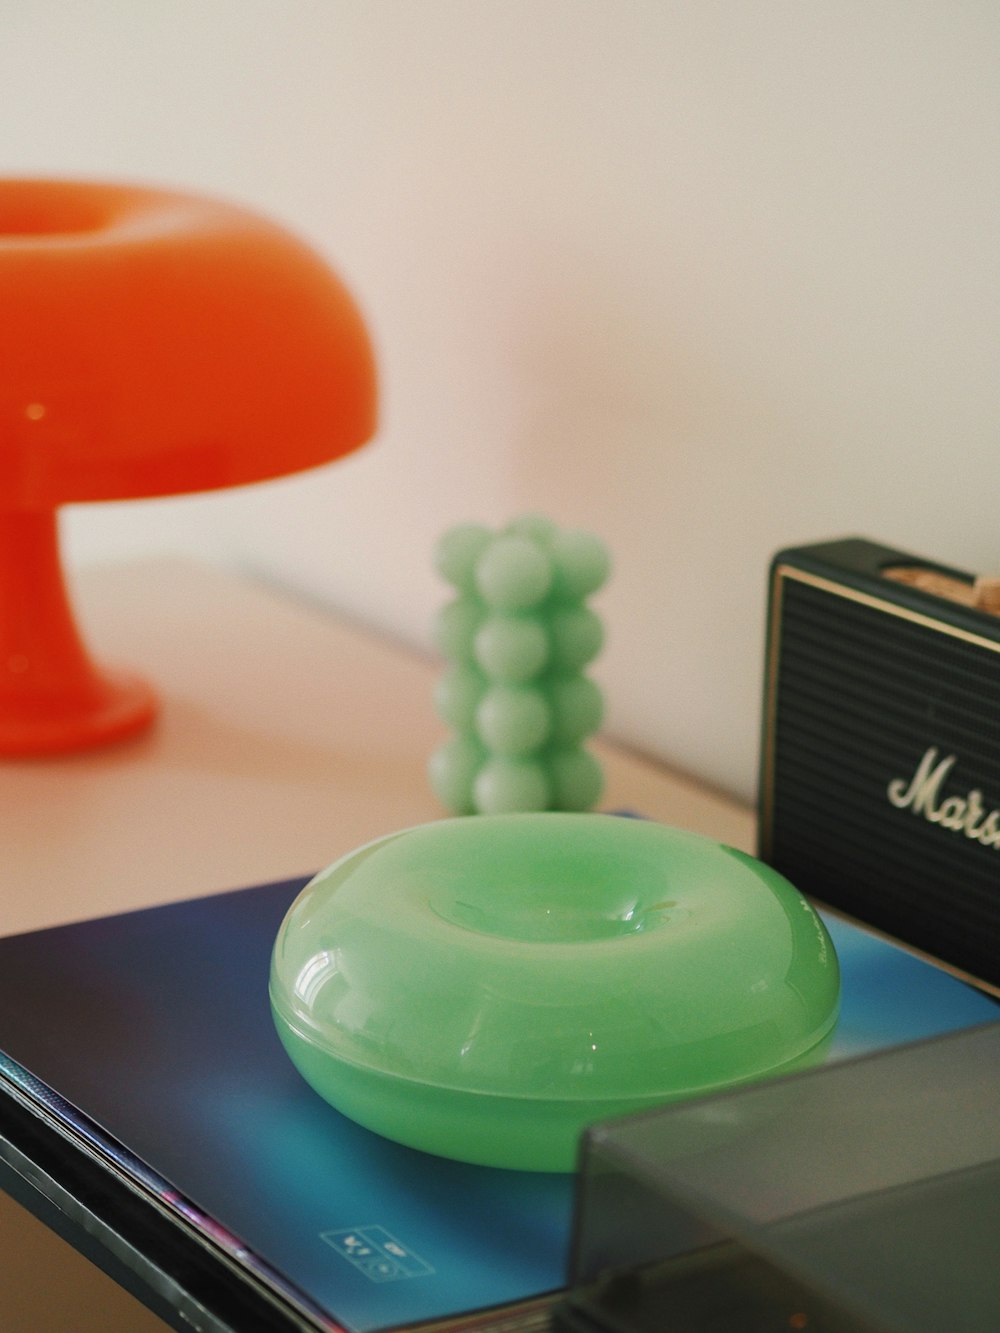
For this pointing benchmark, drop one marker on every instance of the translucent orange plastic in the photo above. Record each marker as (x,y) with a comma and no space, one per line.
(151,343)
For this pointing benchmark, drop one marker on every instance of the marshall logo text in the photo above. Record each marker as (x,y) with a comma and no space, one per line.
(921,795)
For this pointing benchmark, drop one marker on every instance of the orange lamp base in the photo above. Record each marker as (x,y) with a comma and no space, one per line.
(52,696)
(114,706)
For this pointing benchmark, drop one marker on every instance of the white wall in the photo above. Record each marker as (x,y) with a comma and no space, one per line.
(706,278)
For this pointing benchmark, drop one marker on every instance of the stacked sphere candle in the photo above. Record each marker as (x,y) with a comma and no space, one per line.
(517,637)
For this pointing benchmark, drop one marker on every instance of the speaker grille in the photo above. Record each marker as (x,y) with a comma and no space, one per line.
(861,694)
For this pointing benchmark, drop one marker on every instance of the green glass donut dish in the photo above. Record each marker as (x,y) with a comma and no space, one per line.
(485,987)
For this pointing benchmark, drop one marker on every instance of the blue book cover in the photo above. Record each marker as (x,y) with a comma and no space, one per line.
(151,1030)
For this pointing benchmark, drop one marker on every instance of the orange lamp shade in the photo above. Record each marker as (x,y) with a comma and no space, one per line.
(151,343)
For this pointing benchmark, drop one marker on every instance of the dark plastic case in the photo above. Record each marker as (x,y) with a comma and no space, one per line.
(860,1197)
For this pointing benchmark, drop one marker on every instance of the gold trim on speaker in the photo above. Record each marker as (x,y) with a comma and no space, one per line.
(765,831)
(958,973)
(892,608)
(765,834)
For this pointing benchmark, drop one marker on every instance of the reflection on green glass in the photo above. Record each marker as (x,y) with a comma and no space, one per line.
(485,987)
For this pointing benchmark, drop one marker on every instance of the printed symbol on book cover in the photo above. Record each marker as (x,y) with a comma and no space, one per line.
(377,1253)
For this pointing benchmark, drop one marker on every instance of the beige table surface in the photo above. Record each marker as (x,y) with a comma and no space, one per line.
(286,738)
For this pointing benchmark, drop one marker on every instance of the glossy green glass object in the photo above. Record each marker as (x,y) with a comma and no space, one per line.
(483,988)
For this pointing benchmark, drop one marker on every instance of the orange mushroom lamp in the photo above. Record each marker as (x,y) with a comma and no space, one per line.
(151,343)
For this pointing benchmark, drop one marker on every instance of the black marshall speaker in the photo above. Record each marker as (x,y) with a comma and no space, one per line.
(880,757)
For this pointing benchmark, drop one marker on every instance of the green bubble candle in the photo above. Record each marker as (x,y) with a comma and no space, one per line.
(517,636)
